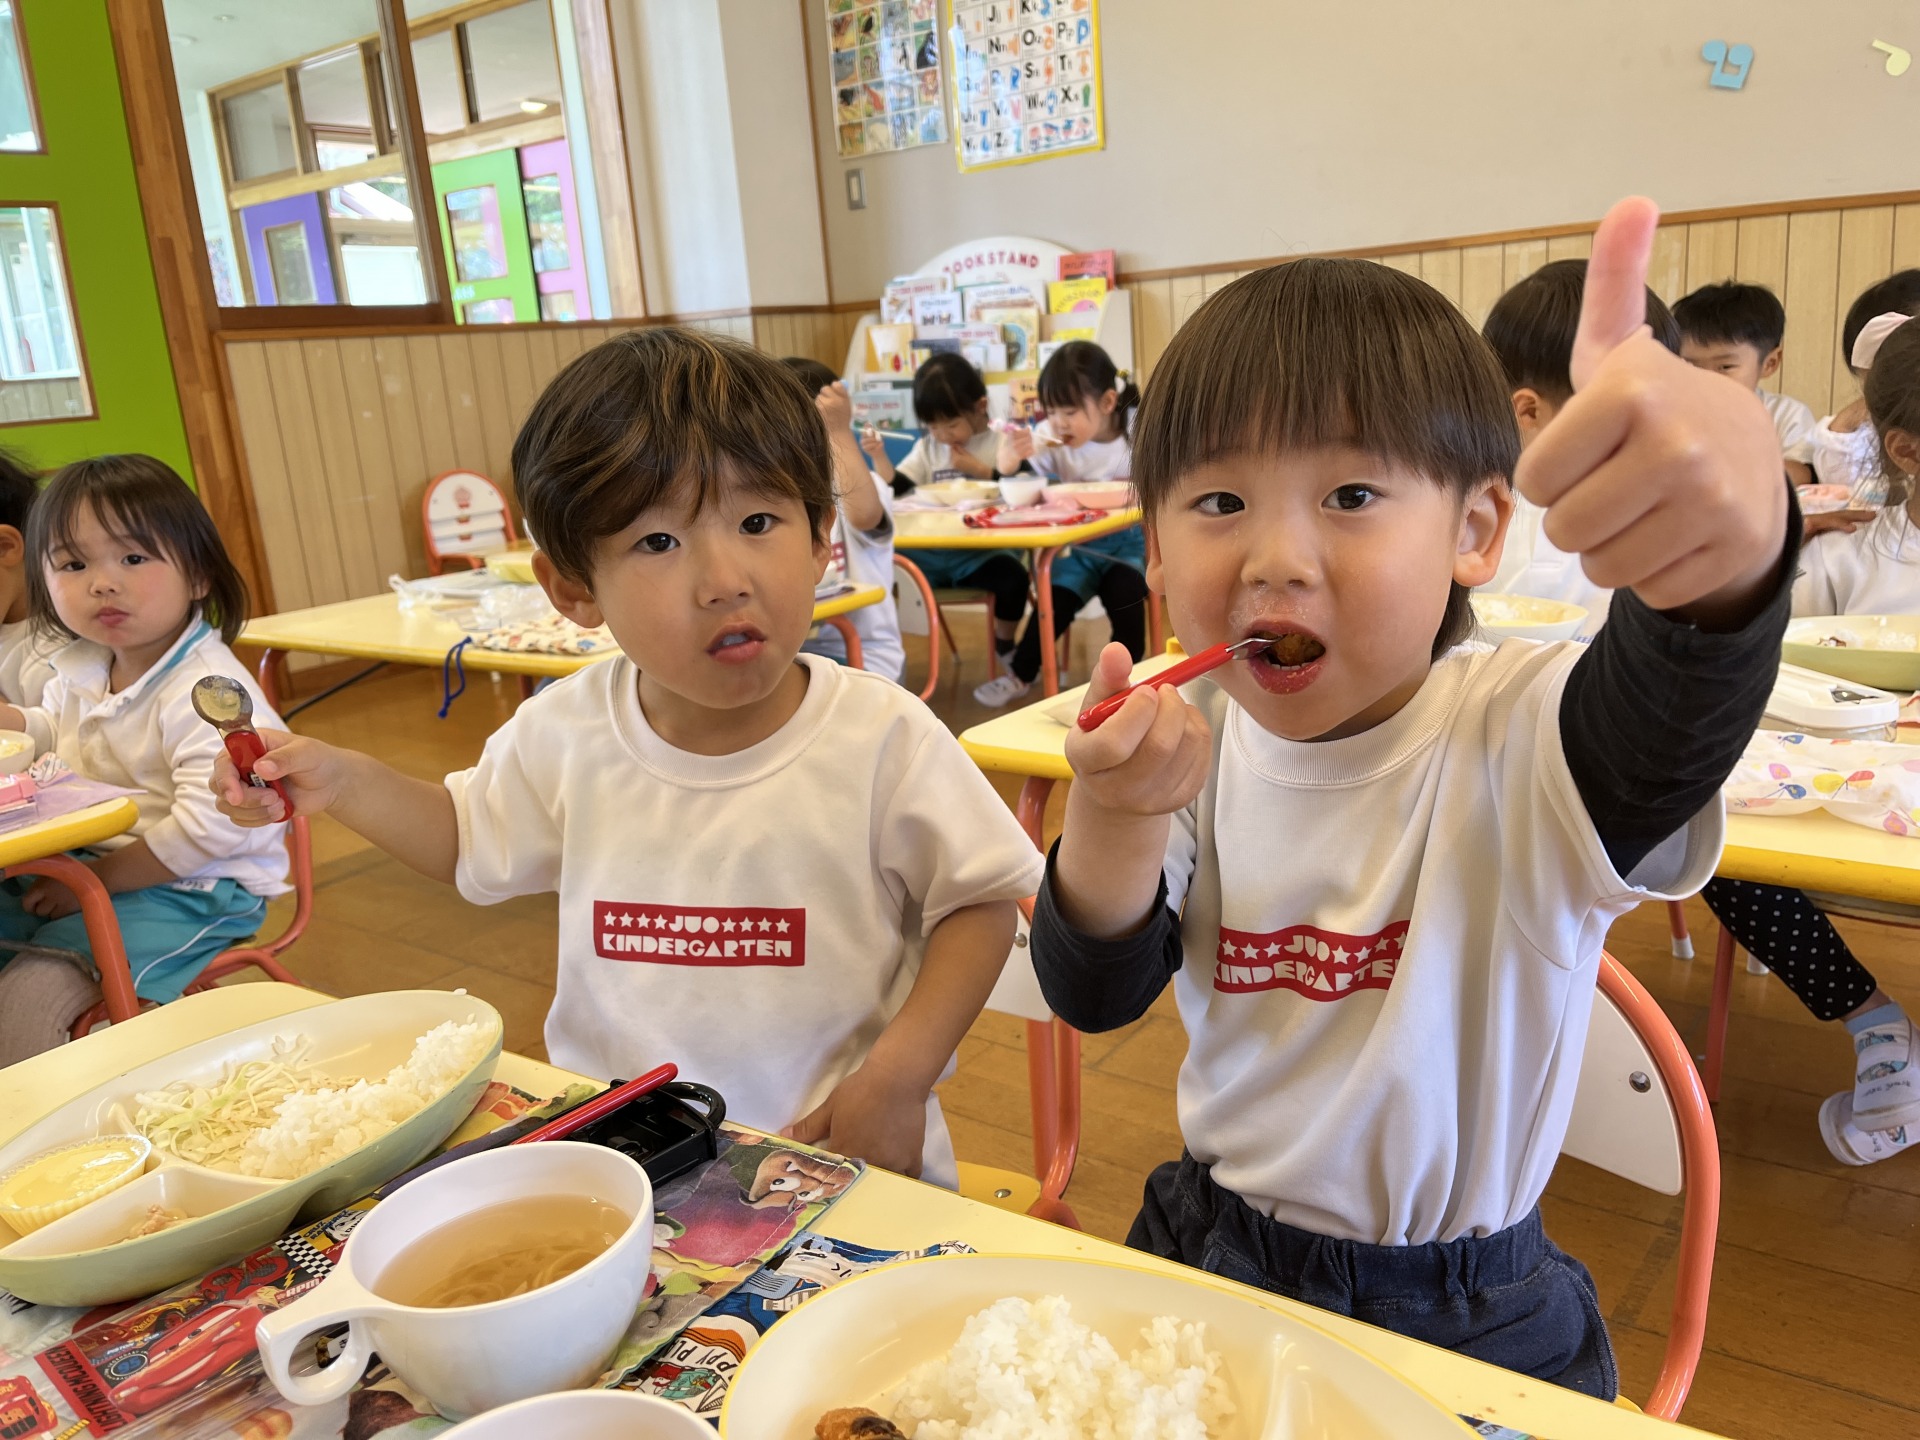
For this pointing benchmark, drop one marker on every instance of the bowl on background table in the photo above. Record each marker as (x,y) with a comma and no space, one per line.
(1880,650)
(1021,491)
(1527,617)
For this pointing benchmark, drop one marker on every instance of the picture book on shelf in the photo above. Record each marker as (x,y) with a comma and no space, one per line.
(888,409)
(927,346)
(1087,293)
(887,349)
(896,300)
(1020,327)
(976,298)
(941,308)
(1087,263)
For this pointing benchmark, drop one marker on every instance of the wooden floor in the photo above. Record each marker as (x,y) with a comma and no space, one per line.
(1815,1323)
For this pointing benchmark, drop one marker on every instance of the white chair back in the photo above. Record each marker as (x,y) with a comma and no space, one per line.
(1623,1118)
(1017,992)
(466,514)
(911,606)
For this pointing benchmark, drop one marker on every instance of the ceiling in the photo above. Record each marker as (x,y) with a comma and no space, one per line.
(219,40)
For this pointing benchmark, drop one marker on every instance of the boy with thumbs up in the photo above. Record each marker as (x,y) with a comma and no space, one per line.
(1377,866)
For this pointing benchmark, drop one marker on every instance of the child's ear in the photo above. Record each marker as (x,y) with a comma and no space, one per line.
(1531,413)
(1903,448)
(1108,401)
(1156,571)
(1483,533)
(1770,363)
(13,547)
(822,548)
(569,597)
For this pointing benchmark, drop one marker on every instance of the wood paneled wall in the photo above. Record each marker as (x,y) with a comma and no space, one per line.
(341,432)
(31,401)
(1816,261)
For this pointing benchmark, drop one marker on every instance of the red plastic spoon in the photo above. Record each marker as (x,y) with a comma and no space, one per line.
(223,703)
(1192,668)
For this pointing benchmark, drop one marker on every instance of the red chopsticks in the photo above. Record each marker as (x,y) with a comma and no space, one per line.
(604,1103)
(1192,668)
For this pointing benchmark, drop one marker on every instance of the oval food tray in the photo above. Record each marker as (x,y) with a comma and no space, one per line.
(79,1260)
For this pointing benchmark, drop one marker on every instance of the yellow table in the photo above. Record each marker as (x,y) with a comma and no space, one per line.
(42,850)
(883,1210)
(1818,851)
(375,628)
(948,530)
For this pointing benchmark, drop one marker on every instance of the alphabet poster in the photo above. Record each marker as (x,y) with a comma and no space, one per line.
(886,75)
(1026,80)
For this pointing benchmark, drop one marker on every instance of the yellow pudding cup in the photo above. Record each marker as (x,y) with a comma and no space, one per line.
(58,1182)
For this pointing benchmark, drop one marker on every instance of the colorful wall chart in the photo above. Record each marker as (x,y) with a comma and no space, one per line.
(1026,79)
(886,75)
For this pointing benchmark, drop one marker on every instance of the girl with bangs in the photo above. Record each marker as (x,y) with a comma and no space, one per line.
(1377,865)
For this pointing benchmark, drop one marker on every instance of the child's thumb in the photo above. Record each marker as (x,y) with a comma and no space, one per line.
(1613,301)
(811,1128)
(1112,673)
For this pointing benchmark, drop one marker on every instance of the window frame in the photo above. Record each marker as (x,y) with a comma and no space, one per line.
(26,80)
(73,313)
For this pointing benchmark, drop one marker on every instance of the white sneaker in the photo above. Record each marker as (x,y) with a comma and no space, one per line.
(1886,1082)
(998,691)
(1851,1145)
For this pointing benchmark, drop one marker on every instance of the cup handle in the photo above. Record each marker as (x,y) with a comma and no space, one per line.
(281,1333)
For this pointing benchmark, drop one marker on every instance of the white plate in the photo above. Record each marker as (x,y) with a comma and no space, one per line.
(1528,617)
(1289,1380)
(1865,664)
(72,1262)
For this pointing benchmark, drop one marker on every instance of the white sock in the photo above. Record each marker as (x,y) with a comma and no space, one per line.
(1851,1145)
(1886,1085)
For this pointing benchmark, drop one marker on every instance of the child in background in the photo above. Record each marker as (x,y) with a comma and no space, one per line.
(26,651)
(1532,329)
(1845,449)
(862,531)
(950,402)
(124,562)
(779,873)
(1735,331)
(1873,571)
(1377,865)
(1089,407)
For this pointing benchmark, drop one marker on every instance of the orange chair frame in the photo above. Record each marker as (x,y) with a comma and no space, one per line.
(1053,1065)
(435,560)
(936,621)
(1700,1184)
(116,981)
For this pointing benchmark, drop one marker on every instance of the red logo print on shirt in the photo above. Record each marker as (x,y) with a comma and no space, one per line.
(1319,964)
(699,934)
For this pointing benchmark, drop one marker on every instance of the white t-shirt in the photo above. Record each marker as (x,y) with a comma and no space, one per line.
(26,662)
(1873,571)
(756,918)
(1532,565)
(1095,460)
(865,557)
(149,738)
(1794,423)
(1845,457)
(929,460)
(1391,948)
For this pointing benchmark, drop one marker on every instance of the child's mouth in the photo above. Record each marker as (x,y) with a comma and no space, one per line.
(738,646)
(1290,664)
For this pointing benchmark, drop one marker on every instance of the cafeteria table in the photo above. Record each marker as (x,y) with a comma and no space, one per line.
(883,1210)
(376,628)
(42,849)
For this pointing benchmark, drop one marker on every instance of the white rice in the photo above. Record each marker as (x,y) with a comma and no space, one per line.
(1027,1370)
(319,1124)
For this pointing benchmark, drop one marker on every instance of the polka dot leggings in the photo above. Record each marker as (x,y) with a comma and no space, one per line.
(1784,931)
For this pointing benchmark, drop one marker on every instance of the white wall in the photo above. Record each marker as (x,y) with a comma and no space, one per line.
(1245,129)
(196,118)
(714,96)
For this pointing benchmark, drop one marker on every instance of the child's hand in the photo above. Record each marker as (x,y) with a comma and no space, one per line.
(49,899)
(1662,478)
(835,407)
(1016,447)
(870,1118)
(1150,757)
(871,442)
(970,464)
(310,771)
(1845,521)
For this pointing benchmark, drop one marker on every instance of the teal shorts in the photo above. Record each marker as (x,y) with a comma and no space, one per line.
(949,569)
(170,934)
(1081,568)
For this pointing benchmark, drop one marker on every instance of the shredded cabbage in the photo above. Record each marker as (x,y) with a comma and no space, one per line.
(209,1124)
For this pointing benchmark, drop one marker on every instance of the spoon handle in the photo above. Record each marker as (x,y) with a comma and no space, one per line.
(246,746)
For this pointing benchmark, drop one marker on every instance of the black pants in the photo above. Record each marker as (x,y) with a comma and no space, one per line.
(1786,932)
(1122,590)
(1007,580)
(1513,1299)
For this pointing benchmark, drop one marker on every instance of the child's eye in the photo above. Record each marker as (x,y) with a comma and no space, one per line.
(759,523)
(1353,497)
(658,543)
(1220,502)
(71,565)
(133,559)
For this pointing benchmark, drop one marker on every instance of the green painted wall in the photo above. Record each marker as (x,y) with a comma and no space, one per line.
(88,171)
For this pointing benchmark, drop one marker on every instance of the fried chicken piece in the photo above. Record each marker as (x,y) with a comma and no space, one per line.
(856,1423)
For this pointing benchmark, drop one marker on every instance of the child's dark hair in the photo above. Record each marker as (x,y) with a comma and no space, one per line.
(812,373)
(1892,390)
(946,387)
(1330,352)
(18,490)
(137,499)
(1733,314)
(1079,373)
(1899,294)
(653,412)
(1532,328)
